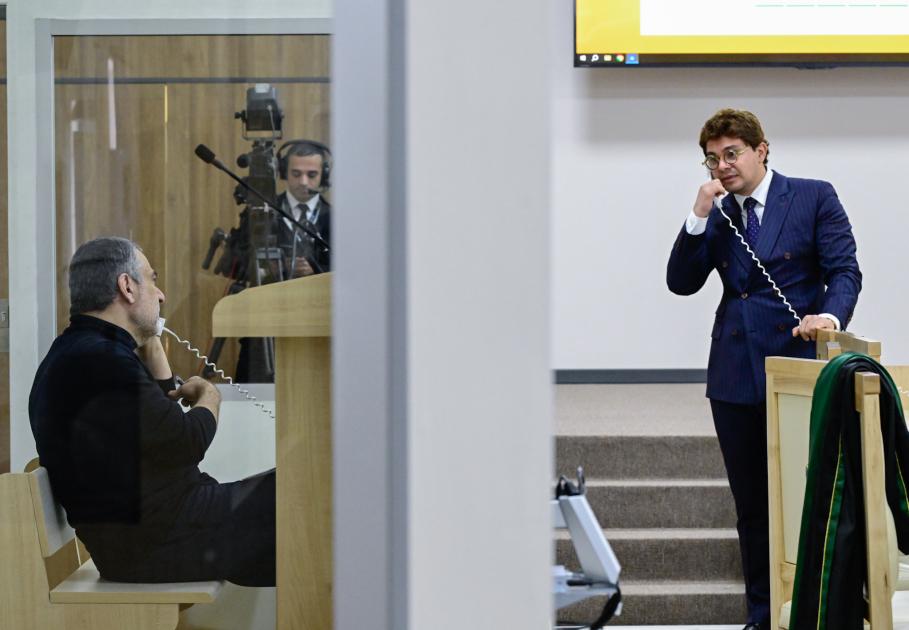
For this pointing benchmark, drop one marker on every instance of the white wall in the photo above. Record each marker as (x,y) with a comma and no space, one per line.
(625,174)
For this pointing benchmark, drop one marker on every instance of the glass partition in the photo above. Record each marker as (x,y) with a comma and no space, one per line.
(129,114)
(4,257)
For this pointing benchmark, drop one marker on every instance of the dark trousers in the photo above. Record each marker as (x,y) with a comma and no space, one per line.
(253,361)
(742,433)
(223,531)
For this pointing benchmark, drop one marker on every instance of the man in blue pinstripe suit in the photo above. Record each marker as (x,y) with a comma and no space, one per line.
(799,231)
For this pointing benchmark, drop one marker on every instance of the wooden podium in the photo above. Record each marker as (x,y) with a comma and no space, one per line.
(297,313)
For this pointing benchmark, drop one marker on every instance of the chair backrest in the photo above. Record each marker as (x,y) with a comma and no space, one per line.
(38,548)
(831,343)
(53,530)
(880,581)
(790,387)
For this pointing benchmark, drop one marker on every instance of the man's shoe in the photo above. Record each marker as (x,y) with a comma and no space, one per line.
(755,626)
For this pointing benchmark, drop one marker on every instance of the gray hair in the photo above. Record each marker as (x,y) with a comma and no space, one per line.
(94,270)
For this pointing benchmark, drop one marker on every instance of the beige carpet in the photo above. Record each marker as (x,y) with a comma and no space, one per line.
(632,410)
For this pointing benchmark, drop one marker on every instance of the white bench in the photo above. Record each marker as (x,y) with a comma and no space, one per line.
(48,582)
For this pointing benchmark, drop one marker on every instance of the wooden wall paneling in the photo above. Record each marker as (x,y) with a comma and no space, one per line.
(117,184)
(151,187)
(201,113)
(307,111)
(83,176)
(219,56)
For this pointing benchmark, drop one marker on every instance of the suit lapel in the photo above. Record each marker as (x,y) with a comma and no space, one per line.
(779,199)
(734,212)
(322,216)
(283,231)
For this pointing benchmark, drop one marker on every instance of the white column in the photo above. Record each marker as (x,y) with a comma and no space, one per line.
(443,389)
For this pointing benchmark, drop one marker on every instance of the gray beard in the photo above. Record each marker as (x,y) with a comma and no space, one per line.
(145,330)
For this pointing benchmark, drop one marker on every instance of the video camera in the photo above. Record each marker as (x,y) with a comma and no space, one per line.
(251,253)
(262,123)
(251,256)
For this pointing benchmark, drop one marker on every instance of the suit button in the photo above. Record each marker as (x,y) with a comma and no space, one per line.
(787,256)
(744,296)
(725,264)
(735,331)
(781,327)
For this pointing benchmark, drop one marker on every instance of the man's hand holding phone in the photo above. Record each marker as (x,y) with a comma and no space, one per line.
(152,354)
(708,193)
(197,392)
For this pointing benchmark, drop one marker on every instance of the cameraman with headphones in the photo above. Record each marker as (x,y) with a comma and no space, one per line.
(306,167)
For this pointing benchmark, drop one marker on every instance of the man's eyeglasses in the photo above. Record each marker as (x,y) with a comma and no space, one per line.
(729,156)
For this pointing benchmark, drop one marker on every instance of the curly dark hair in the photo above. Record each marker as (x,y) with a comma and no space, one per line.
(734,123)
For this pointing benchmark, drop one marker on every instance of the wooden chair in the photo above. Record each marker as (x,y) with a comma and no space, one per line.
(47,581)
(833,343)
(790,386)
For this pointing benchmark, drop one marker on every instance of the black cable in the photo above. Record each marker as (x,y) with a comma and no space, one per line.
(608,610)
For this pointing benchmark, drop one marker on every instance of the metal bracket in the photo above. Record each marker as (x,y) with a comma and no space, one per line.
(4,325)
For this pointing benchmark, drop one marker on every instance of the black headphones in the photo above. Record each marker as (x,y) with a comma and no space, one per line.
(316,148)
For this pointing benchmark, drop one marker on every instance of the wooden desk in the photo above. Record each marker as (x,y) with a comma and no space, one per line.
(297,313)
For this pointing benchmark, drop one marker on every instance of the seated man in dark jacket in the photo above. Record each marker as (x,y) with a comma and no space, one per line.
(121,453)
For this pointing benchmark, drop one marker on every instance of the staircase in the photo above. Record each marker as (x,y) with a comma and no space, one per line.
(656,481)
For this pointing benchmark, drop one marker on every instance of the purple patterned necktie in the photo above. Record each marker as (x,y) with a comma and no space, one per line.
(753,226)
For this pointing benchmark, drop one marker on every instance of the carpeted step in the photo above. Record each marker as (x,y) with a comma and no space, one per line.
(655,503)
(666,554)
(657,483)
(667,603)
(640,456)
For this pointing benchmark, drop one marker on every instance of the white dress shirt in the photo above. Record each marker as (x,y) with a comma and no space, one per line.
(312,209)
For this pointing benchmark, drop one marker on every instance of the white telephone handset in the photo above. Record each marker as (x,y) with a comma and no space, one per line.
(160,328)
(718,202)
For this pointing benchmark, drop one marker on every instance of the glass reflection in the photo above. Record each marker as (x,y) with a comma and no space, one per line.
(130,116)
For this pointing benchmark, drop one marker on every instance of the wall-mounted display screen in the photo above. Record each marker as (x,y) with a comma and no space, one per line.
(789,32)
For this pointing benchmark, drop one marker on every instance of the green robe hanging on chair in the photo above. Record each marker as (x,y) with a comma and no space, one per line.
(832,566)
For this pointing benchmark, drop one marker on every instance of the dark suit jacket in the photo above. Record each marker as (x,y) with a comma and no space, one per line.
(323,228)
(807,247)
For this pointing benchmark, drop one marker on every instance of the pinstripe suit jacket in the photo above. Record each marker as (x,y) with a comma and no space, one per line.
(807,247)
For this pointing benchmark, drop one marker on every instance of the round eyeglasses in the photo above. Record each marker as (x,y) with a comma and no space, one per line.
(730,155)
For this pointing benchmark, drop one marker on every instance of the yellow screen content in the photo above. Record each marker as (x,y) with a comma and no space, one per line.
(747,27)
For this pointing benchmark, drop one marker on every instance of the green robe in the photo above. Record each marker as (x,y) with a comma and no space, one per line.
(832,565)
